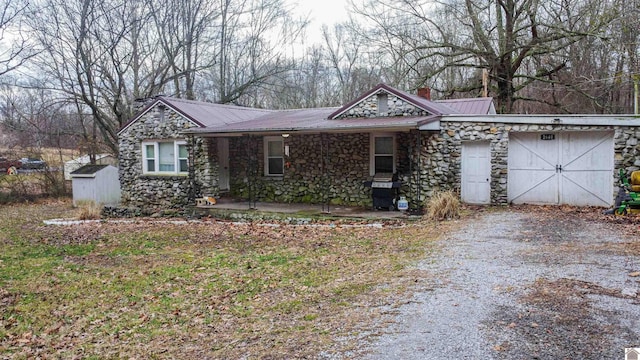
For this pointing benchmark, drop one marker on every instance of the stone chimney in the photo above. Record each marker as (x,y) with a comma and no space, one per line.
(141,103)
(425,92)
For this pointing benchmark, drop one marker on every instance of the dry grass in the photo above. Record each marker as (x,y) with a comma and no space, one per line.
(443,205)
(88,210)
(207,289)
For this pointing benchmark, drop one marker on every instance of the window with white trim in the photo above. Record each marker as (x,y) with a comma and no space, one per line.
(273,156)
(383,153)
(165,157)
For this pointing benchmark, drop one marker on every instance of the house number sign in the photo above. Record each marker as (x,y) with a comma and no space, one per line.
(547,136)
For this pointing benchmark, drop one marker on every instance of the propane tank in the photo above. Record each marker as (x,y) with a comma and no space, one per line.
(403,204)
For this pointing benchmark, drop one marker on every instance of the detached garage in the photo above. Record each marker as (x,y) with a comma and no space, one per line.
(531,159)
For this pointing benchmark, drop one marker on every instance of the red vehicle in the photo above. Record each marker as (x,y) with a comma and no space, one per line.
(9,166)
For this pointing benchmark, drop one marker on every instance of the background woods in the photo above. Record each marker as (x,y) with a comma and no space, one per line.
(71,70)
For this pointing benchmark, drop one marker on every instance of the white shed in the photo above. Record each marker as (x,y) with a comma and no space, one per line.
(96,183)
(101,159)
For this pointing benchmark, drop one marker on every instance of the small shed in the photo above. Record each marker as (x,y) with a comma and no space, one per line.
(96,183)
(74,164)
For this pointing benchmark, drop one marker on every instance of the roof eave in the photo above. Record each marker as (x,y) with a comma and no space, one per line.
(335,129)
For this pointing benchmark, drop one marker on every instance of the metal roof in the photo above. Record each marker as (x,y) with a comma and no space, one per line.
(314,120)
(210,114)
(211,119)
(202,114)
(470,106)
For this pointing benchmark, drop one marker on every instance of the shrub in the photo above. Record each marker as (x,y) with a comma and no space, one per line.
(88,210)
(443,205)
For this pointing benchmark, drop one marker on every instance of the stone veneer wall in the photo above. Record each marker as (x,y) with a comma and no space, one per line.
(347,167)
(441,153)
(305,180)
(395,107)
(155,192)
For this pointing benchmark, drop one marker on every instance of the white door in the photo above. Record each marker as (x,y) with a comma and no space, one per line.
(574,168)
(223,163)
(476,173)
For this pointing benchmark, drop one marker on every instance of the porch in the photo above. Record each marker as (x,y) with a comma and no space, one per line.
(228,207)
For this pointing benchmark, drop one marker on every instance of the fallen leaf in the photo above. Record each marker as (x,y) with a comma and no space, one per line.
(635,274)
(499,348)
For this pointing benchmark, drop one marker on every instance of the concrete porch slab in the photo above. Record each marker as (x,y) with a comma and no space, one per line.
(227,205)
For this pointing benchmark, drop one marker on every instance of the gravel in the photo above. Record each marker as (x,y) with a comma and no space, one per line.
(517,284)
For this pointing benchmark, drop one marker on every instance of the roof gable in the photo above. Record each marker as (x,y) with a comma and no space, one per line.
(400,103)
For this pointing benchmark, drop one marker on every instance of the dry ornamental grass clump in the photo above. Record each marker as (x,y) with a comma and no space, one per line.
(88,211)
(443,205)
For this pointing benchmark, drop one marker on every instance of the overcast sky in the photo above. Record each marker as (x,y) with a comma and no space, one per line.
(321,12)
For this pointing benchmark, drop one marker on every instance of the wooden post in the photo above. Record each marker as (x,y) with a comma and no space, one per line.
(485,83)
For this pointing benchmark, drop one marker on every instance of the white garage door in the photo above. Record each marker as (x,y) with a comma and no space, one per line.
(574,168)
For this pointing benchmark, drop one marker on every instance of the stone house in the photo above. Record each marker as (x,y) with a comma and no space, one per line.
(175,150)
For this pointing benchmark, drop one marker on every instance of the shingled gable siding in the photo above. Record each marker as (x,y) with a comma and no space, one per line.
(395,107)
(304,180)
(156,192)
(441,153)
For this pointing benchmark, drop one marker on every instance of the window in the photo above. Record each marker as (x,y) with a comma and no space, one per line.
(383,153)
(273,156)
(165,157)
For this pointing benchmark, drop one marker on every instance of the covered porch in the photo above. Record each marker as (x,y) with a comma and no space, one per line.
(226,206)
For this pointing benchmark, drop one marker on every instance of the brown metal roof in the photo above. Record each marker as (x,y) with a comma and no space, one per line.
(210,114)
(202,114)
(471,106)
(314,120)
(211,118)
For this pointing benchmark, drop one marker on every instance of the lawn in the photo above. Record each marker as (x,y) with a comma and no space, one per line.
(158,289)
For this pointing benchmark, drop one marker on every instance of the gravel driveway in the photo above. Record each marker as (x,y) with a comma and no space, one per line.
(522,283)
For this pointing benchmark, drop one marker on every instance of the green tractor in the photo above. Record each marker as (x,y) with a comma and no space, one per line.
(628,198)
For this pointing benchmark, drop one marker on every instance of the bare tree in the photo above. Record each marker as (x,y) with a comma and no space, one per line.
(252,40)
(459,38)
(15,48)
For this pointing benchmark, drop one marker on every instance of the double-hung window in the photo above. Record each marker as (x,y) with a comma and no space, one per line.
(383,155)
(273,156)
(165,157)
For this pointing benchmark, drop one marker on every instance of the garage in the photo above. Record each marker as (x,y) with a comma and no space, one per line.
(574,168)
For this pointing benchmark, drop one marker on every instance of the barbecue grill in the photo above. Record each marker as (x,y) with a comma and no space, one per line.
(384,190)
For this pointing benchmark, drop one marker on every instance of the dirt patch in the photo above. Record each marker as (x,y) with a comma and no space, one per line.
(558,320)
